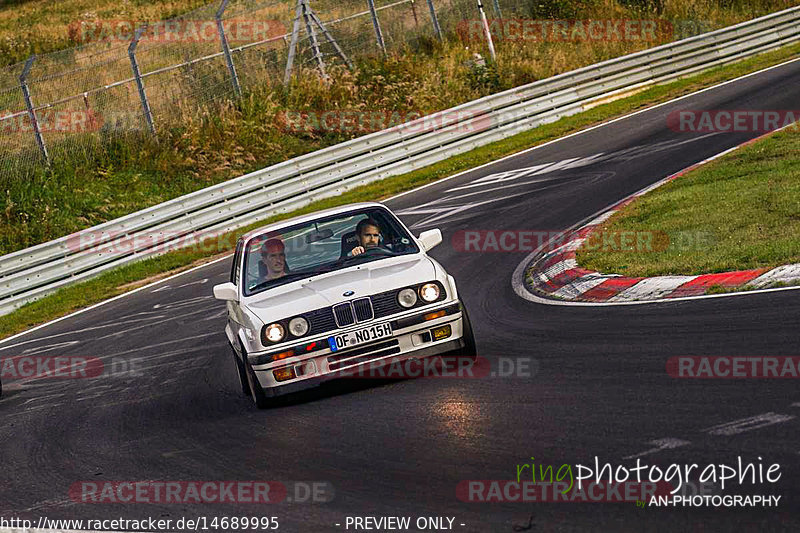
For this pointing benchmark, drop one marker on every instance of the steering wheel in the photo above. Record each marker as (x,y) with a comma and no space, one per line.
(378,249)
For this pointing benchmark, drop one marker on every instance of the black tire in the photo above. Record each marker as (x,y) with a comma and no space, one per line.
(241,372)
(470,350)
(256,392)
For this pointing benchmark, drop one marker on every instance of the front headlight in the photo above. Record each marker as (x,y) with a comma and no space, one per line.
(407,298)
(430,292)
(274,333)
(298,326)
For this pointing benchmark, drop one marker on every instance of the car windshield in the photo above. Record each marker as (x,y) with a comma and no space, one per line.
(323,245)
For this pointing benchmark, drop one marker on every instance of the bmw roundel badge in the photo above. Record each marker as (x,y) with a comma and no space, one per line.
(348,293)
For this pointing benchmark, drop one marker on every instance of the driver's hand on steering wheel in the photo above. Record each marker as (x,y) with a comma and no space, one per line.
(357,250)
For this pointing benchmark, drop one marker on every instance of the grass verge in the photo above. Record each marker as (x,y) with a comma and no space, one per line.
(124,279)
(739,212)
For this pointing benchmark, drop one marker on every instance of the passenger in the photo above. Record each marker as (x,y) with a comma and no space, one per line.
(273,260)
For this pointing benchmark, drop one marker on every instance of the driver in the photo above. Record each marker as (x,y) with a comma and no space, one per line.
(369,236)
(273,260)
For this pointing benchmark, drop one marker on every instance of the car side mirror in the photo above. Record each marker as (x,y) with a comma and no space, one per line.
(226,291)
(430,238)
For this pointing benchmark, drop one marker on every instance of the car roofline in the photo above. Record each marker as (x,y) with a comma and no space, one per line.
(276,226)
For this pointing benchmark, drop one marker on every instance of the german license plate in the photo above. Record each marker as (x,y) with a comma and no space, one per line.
(360,336)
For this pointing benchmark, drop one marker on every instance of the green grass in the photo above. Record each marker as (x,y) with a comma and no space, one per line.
(745,207)
(120,280)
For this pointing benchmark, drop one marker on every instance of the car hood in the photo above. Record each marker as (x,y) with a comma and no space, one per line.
(328,289)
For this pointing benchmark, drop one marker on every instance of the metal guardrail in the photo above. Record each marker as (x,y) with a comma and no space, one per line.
(28,274)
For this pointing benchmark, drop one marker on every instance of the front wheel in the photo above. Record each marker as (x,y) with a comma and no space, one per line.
(470,350)
(240,371)
(256,392)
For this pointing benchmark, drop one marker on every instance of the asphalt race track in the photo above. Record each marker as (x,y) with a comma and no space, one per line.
(172,408)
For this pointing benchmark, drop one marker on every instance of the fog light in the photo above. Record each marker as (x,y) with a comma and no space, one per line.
(437,314)
(442,332)
(282,374)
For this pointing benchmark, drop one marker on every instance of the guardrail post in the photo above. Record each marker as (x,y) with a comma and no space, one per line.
(377,25)
(226,50)
(23,83)
(148,116)
(435,20)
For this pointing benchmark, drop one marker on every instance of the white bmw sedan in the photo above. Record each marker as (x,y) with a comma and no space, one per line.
(320,296)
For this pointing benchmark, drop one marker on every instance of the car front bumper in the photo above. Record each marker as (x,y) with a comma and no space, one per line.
(409,341)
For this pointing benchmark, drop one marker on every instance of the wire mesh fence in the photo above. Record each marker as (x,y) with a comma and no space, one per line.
(130,79)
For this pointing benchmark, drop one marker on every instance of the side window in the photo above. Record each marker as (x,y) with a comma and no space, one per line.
(236,260)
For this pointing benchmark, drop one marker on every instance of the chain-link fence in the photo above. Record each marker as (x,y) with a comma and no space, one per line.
(132,79)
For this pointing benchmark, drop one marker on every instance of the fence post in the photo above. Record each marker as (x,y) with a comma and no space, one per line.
(486,31)
(293,44)
(377,25)
(23,83)
(497,9)
(227,50)
(331,40)
(148,116)
(312,35)
(435,20)
(414,12)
